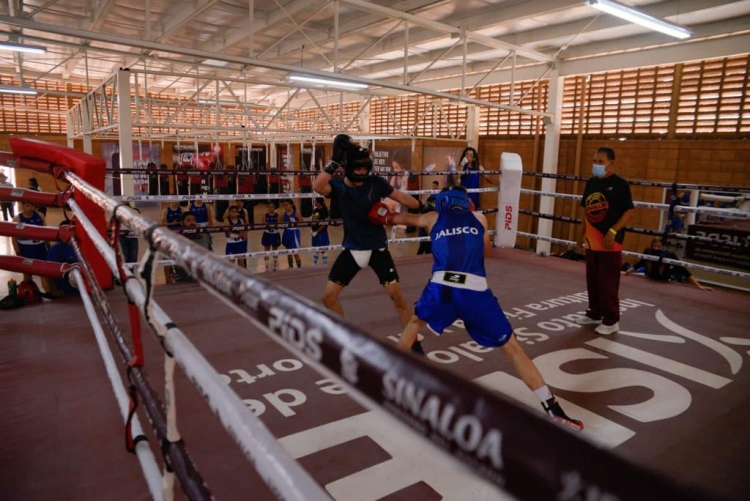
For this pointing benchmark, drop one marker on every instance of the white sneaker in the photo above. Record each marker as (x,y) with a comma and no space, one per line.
(606,330)
(586,320)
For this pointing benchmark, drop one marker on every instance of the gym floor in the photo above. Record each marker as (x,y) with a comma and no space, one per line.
(669,392)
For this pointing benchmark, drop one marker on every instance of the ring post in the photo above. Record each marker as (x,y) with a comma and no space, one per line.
(506,223)
(91,169)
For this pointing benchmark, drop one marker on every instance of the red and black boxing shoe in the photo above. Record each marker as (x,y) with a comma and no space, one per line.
(553,410)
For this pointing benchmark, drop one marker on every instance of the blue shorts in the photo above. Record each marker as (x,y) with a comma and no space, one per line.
(33,251)
(270,239)
(290,239)
(321,240)
(236,247)
(441,305)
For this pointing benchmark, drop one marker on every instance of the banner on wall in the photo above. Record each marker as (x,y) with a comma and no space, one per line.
(390,161)
(208,157)
(143,154)
(249,160)
(439,159)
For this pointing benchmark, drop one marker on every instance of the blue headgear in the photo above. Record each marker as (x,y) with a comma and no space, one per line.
(452,198)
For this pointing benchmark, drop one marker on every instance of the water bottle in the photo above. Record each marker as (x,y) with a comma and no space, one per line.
(12,287)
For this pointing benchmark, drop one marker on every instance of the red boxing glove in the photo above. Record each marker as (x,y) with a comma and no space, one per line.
(381,214)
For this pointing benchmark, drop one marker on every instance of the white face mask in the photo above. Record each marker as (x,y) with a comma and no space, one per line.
(599,170)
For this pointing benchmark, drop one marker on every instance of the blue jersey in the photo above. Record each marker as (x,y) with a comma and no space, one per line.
(470,180)
(239,221)
(354,203)
(290,239)
(272,218)
(458,243)
(201,214)
(458,288)
(62,252)
(174,217)
(290,218)
(29,247)
(271,236)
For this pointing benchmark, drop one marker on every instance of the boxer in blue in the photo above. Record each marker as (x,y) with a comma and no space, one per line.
(458,288)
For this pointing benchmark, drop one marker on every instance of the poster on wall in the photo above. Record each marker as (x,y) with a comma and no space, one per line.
(250,160)
(208,157)
(143,154)
(438,159)
(392,162)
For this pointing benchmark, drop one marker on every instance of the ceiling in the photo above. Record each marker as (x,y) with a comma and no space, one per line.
(247,49)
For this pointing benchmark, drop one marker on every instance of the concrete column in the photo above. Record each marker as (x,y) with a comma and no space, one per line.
(125,130)
(472,126)
(550,158)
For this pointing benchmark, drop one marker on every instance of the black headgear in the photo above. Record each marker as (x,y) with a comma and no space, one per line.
(356,158)
(351,156)
(341,145)
(452,198)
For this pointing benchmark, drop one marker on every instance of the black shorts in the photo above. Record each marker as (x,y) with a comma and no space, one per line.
(345,267)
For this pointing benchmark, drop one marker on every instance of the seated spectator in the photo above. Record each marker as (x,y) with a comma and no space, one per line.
(29,247)
(664,272)
(61,252)
(180,274)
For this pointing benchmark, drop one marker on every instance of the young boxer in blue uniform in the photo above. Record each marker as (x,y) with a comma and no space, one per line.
(203,217)
(236,240)
(458,288)
(172,216)
(202,212)
(271,238)
(471,173)
(320,236)
(290,237)
(365,244)
(29,247)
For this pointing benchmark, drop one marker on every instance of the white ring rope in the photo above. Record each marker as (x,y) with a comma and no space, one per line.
(272,462)
(650,205)
(142,449)
(376,368)
(259,196)
(646,257)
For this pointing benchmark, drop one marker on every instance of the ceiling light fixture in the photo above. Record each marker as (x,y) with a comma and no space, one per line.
(637,17)
(325,81)
(19,47)
(9,89)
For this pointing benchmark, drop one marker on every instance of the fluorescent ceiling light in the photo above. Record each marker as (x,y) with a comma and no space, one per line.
(325,81)
(8,89)
(19,47)
(215,62)
(637,17)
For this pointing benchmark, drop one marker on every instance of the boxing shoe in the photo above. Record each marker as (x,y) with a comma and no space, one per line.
(606,330)
(553,410)
(587,320)
(417,348)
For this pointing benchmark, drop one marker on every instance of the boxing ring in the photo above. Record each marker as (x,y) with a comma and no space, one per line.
(670,389)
